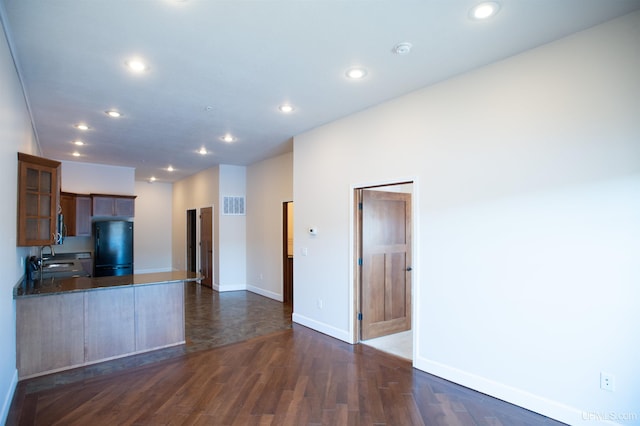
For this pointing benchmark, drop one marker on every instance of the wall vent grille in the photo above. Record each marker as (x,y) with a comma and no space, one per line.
(233,206)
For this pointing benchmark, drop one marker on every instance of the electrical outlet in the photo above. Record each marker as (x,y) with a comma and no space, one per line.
(319,303)
(607,381)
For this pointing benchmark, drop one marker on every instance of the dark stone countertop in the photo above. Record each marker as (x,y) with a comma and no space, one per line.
(53,286)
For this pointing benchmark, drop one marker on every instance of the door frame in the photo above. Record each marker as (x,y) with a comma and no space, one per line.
(355,254)
(198,240)
(192,232)
(285,251)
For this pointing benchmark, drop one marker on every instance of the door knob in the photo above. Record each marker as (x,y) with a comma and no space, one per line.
(409,269)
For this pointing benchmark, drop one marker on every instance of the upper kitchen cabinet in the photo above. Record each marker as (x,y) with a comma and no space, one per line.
(38,194)
(76,211)
(113,205)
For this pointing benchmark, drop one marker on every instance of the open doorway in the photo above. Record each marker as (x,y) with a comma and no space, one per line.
(287,252)
(191,240)
(383,249)
(199,253)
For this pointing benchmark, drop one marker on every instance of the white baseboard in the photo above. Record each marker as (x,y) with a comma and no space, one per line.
(6,404)
(329,330)
(529,401)
(229,287)
(265,293)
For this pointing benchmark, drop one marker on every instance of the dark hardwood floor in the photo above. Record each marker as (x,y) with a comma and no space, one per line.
(245,364)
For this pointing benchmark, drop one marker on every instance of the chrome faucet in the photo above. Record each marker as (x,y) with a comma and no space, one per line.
(53,253)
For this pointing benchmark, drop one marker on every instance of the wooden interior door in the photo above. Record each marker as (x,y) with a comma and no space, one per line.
(386,263)
(206,246)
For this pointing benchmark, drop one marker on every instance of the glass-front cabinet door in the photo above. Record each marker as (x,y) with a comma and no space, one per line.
(38,193)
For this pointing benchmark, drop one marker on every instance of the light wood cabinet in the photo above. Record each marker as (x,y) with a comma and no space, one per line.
(159,316)
(113,205)
(60,331)
(109,323)
(49,333)
(83,216)
(76,211)
(38,200)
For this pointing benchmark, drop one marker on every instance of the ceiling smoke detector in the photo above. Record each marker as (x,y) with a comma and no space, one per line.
(402,48)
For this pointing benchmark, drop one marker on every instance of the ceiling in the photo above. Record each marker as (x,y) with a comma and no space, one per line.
(221,67)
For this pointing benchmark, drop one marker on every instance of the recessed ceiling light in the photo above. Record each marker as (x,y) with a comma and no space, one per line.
(78,142)
(113,113)
(402,48)
(81,126)
(76,154)
(136,65)
(203,151)
(484,10)
(170,169)
(286,108)
(356,73)
(152,179)
(227,138)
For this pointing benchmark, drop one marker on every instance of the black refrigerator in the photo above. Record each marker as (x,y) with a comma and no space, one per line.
(113,248)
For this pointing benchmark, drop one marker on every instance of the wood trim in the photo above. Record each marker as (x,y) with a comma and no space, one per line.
(387,185)
(38,160)
(74,194)
(357,275)
(113,196)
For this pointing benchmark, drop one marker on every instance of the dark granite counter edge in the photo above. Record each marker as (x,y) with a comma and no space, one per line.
(52,287)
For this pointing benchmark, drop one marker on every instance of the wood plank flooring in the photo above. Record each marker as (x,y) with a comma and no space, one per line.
(293,376)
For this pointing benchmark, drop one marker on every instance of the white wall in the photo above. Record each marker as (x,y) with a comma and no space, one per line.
(16,135)
(527,222)
(232,232)
(86,178)
(152,231)
(153,219)
(195,192)
(244,245)
(269,184)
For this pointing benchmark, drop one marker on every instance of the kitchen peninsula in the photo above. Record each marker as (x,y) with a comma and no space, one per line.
(71,322)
